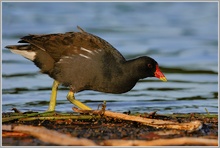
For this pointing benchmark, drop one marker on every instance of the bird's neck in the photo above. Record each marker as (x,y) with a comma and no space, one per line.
(136,68)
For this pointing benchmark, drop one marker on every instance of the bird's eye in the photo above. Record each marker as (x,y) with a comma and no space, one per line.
(149,65)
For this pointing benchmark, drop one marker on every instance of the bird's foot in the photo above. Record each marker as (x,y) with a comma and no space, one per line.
(71,98)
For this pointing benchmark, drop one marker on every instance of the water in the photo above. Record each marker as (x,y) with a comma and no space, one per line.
(181,36)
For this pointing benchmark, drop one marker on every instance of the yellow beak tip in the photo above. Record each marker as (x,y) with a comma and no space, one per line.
(163,79)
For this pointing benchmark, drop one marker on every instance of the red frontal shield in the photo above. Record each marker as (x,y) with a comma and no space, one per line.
(159,74)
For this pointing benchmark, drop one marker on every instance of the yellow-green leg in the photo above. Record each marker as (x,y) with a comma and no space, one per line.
(71,98)
(53,96)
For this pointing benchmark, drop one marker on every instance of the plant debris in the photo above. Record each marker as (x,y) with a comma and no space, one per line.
(105,128)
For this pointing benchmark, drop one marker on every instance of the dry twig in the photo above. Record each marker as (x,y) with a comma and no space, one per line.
(190,126)
(163,142)
(49,136)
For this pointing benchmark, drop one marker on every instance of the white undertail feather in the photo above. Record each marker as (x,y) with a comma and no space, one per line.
(27,54)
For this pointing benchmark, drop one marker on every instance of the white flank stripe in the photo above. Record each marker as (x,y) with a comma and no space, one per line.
(27,54)
(86,50)
(65,57)
(82,55)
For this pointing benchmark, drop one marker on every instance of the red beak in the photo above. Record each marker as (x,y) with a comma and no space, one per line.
(159,74)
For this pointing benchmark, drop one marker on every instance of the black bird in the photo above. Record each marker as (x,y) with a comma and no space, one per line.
(83,61)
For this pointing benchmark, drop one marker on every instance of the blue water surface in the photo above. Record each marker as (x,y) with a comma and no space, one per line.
(181,36)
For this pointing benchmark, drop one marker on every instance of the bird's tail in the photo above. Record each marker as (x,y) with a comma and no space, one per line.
(41,58)
(23,50)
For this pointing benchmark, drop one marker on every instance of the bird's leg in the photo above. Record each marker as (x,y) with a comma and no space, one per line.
(53,96)
(71,98)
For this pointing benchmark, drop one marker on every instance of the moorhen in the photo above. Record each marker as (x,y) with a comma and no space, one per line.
(83,61)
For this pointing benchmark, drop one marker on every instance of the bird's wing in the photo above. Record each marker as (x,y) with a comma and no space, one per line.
(71,43)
